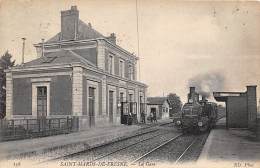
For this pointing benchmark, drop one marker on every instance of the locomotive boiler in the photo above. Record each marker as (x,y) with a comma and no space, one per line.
(197,115)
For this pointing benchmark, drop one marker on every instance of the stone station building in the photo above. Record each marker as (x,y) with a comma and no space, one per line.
(78,72)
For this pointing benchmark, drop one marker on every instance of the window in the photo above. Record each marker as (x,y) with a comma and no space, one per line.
(121,97)
(131,72)
(40,97)
(121,68)
(111,64)
(42,101)
(130,97)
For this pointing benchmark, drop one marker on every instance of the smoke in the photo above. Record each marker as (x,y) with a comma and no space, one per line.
(206,84)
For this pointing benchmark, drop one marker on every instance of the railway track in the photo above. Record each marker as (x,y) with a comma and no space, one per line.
(155,145)
(108,154)
(122,147)
(156,148)
(178,149)
(141,132)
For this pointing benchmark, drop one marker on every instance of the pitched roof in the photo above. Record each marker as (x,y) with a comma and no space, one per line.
(84,32)
(156,100)
(58,57)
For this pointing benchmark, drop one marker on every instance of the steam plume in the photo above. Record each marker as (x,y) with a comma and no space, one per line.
(207,83)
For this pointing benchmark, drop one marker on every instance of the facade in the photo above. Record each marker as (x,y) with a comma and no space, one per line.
(241,108)
(78,72)
(158,105)
(258,107)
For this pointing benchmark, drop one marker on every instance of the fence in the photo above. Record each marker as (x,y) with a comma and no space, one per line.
(29,128)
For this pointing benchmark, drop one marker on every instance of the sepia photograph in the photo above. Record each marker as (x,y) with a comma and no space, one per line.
(129,83)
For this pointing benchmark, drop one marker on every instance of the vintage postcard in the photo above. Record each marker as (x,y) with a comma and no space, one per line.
(133,83)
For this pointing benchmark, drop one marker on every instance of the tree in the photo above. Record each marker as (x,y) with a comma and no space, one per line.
(5,63)
(175,103)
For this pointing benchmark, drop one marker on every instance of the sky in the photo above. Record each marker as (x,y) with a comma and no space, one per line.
(178,41)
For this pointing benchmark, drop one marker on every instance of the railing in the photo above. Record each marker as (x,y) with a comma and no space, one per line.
(29,128)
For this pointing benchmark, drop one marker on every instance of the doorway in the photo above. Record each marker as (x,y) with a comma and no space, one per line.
(91,102)
(42,102)
(42,107)
(111,102)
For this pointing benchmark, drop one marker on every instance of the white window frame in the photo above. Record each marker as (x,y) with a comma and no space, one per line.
(111,64)
(34,96)
(94,85)
(131,71)
(121,68)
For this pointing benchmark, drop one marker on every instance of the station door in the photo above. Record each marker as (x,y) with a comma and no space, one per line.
(111,102)
(91,100)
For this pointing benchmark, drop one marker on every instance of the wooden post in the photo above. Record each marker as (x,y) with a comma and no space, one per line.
(27,127)
(50,124)
(59,123)
(13,127)
(68,124)
(39,125)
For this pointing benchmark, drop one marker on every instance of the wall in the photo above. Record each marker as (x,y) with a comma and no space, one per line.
(22,96)
(61,95)
(251,107)
(165,114)
(237,112)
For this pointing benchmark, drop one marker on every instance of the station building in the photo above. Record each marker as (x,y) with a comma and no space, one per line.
(241,108)
(78,72)
(158,105)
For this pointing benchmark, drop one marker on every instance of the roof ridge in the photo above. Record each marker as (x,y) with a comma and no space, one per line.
(85,24)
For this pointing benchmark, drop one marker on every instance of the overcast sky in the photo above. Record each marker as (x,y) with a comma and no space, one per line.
(178,41)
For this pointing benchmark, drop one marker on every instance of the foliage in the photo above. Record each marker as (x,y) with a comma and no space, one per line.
(5,63)
(175,103)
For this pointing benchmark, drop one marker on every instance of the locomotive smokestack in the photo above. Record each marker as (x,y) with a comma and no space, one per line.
(192,90)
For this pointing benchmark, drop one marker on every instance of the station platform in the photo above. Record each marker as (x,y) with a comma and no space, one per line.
(45,148)
(230,145)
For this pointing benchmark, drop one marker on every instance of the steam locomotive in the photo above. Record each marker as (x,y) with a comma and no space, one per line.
(197,115)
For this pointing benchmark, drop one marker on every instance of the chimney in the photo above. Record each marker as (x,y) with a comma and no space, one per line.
(42,47)
(69,23)
(23,49)
(193,96)
(192,90)
(203,99)
(112,38)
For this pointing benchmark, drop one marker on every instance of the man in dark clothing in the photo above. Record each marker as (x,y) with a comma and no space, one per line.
(143,116)
(154,117)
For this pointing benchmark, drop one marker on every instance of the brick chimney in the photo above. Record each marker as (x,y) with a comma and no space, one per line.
(69,23)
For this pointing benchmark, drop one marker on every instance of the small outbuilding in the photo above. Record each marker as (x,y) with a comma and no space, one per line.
(241,110)
(159,106)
